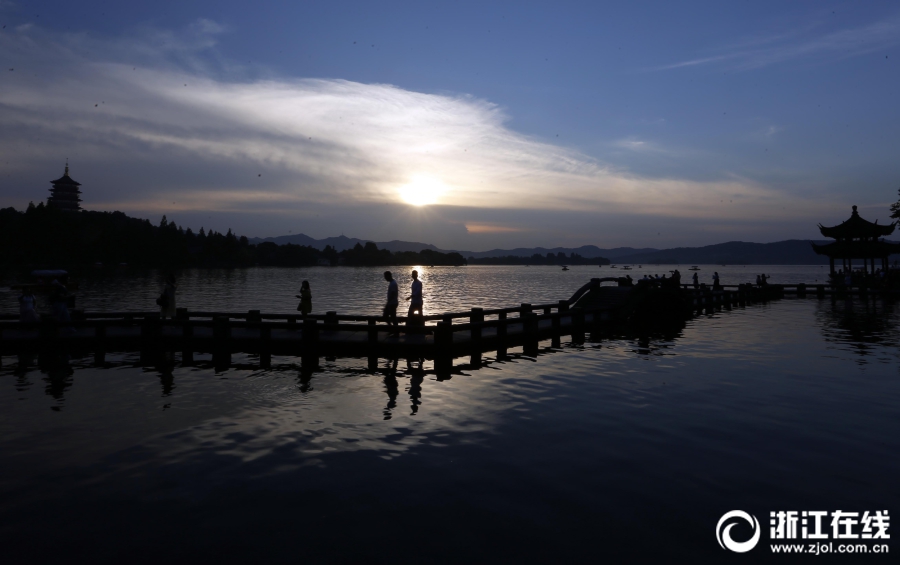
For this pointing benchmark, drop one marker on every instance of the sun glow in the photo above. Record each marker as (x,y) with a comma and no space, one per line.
(422,191)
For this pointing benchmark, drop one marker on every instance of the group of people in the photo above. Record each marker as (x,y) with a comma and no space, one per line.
(664,281)
(415,299)
(861,278)
(59,302)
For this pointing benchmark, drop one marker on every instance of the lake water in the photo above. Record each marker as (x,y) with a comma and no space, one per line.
(626,449)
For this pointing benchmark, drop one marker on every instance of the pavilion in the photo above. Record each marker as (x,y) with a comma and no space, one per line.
(857,238)
(65,193)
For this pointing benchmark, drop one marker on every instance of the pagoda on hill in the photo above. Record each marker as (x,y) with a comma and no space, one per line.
(857,238)
(65,194)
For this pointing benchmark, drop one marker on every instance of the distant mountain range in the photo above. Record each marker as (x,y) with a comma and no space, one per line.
(343,242)
(789,252)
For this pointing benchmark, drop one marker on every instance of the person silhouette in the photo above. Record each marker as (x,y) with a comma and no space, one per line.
(27,311)
(416,303)
(305,296)
(390,308)
(166,299)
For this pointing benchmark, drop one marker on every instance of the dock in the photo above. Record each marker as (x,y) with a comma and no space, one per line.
(441,338)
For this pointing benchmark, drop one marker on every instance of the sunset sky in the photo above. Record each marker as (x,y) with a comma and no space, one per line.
(469,125)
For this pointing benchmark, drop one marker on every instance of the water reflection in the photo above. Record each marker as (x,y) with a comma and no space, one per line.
(866,325)
(59,374)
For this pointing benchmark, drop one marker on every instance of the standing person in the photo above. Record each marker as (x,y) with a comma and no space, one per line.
(415,298)
(27,312)
(716,285)
(59,299)
(393,299)
(305,296)
(696,280)
(166,299)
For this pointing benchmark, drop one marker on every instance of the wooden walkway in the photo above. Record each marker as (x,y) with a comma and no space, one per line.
(441,338)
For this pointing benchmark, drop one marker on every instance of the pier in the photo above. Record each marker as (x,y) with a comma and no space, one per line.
(440,337)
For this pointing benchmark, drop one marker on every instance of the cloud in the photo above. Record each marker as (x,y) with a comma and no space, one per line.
(158,123)
(472,227)
(803,43)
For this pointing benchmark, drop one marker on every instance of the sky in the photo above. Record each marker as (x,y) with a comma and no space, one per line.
(468,125)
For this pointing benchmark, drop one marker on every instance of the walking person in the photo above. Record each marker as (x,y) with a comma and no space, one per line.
(27,311)
(166,299)
(416,302)
(305,296)
(696,280)
(716,285)
(393,299)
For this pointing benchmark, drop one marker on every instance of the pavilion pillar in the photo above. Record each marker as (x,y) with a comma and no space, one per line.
(831,262)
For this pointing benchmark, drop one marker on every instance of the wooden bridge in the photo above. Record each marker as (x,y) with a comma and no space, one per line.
(441,338)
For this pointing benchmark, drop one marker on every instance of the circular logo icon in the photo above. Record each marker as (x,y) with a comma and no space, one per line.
(724,535)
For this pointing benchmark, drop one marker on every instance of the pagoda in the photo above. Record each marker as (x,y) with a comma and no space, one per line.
(857,238)
(65,194)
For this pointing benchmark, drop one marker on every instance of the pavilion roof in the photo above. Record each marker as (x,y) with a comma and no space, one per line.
(858,249)
(855,227)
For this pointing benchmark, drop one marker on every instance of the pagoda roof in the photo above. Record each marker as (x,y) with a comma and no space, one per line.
(858,249)
(66,179)
(855,227)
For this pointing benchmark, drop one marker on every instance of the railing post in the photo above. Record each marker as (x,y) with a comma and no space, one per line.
(443,348)
(501,335)
(524,309)
(149,335)
(331,317)
(309,357)
(563,306)
(221,342)
(556,322)
(187,342)
(801,289)
(709,306)
(181,314)
(254,316)
(476,318)
(265,347)
(820,291)
(372,334)
(530,326)
(578,325)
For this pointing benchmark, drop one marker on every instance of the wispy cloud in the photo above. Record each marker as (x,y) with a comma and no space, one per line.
(806,42)
(162,125)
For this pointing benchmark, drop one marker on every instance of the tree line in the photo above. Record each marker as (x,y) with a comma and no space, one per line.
(44,236)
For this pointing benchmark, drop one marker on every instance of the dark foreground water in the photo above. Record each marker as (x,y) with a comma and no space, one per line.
(629,449)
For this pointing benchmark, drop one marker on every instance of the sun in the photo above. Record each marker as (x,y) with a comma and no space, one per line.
(422,191)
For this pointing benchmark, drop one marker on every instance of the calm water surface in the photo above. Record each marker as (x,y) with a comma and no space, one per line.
(627,449)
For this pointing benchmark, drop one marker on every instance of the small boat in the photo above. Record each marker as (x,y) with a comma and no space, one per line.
(694,268)
(626,268)
(613,267)
(565,268)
